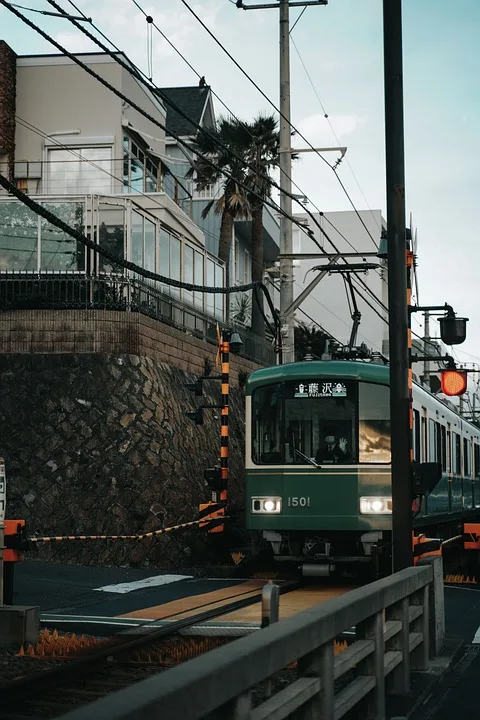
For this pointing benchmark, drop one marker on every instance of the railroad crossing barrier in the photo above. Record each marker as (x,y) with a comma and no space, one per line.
(396,631)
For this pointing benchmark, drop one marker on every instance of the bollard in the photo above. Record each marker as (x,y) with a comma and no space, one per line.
(270,604)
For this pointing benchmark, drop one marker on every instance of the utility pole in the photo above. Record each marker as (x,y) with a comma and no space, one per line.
(399,322)
(285,166)
(426,341)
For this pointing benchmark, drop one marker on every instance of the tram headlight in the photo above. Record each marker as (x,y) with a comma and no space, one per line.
(266,505)
(376,505)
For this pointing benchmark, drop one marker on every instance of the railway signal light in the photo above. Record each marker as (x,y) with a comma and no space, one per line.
(196,387)
(213,478)
(453,330)
(196,416)
(453,382)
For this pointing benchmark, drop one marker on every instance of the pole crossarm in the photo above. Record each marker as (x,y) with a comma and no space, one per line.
(275,6)
(433,358)
(343,150)
(326,256)
(311,286)
(429,308)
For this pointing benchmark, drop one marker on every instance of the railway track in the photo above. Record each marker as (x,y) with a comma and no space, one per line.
(130,658)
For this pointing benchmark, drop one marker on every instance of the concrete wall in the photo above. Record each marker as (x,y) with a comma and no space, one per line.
(86,105)
(107,331)
(94,436)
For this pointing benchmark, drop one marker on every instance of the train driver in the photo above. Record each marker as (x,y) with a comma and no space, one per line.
(334,450)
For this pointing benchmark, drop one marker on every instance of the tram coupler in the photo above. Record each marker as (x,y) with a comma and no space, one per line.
(317,569)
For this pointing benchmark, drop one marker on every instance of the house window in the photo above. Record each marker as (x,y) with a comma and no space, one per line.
(198,279)
(79,171)
(143,242)
(140,170)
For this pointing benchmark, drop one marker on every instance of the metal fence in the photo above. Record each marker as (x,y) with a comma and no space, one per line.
(392,619)
(110,292)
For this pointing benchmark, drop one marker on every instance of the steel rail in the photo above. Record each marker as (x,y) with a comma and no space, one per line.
(24,689)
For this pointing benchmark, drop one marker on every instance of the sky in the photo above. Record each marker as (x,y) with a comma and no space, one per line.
(341,47)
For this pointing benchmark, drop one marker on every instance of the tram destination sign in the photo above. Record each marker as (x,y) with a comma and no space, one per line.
(323,389)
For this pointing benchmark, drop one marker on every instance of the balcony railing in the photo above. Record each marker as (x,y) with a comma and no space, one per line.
(109,292)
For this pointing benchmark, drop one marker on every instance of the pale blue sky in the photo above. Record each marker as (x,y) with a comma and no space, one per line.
(342,47)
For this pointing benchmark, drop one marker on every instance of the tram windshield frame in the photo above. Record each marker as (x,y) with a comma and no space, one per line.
(321,422)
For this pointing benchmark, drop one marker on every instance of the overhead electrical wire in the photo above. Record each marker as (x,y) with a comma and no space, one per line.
(180,111)
(33,128)
(326,116)
(264,95)
(133,267)
(147,115)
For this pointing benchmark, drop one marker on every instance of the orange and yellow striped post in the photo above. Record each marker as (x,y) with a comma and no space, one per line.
(224,429)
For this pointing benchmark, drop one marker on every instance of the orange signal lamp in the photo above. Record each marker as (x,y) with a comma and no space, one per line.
(454,382)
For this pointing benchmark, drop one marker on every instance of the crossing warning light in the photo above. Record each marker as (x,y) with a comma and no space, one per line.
(454,382)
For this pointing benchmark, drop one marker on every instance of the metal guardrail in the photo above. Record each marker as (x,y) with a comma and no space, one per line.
(392,618)
(117,292)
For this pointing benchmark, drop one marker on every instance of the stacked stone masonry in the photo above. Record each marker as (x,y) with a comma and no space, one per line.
(94,435)
(8,76)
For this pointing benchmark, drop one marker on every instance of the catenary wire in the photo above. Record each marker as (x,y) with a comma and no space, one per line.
(147,115)
(57,222)
(238,65)
(138,74)
(183,216)
(326,116)
(310,234)
(105,83)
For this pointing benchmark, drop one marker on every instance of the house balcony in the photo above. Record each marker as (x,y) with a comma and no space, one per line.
(42,267)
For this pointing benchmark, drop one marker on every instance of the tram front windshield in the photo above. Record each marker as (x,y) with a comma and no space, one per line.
(303,422)
(321,422)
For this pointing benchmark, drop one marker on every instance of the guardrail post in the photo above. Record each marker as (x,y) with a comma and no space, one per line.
(401,641)
(421,654)
(436,604)
(319,663)
(270,604)
(374,664)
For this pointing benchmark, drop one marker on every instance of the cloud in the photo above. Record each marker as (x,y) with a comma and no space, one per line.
(318,130)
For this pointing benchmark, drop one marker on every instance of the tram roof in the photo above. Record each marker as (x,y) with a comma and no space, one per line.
(318,369)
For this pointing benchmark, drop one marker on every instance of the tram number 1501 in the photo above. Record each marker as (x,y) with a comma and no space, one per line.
(298,502)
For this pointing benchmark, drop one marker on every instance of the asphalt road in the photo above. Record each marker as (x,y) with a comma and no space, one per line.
(74,589)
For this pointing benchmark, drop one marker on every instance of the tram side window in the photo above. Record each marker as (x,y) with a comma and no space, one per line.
(443,446)
(374,437)
(449,451)
(456,454)
(432,443)
(424,439)
(416,436)
(476,460)
(267,439)
(466,457)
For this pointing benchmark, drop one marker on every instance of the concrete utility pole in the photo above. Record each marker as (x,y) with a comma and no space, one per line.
(426,342)
(399,322)
(285,164)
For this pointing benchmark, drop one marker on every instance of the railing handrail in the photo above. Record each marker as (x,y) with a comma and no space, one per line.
(200,686)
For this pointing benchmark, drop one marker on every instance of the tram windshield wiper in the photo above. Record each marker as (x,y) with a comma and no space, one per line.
(309,460)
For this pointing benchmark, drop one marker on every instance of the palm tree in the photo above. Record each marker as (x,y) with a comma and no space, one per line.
(309,341)
(262,157)
(227,146)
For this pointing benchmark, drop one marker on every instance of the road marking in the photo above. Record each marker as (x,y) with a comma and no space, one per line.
(153,581)
(476,638)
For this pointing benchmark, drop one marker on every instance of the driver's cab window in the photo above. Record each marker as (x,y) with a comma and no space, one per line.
(267,425)
(320,422)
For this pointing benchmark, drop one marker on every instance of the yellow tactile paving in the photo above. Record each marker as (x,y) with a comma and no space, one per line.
(194,604)
(290,603)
